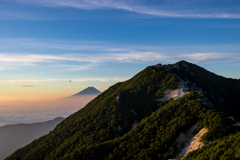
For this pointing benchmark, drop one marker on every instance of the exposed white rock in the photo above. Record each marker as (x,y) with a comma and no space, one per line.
(182,140)
(134,124)
(194,143)
(117,98)
(236,124)
(232,118)
(187,142)
(135,114)
(176,93)
(119,128)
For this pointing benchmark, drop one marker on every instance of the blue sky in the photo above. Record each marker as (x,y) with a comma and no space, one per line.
(44,44)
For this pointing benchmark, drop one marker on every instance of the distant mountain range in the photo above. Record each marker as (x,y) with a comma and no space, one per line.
(163,112)
(88,91)
(15,136)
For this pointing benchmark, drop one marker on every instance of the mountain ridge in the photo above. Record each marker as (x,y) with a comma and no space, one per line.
(18,135)
(129,117)
(216,88)
(55,119)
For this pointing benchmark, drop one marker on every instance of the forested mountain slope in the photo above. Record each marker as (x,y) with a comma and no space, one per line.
(130,121)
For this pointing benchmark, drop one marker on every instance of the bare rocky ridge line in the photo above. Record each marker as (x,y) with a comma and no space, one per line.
(182,86)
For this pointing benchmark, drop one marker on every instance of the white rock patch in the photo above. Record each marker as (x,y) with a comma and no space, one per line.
(119,128)
(135,114)
(117,98)
(176,93)
(232,118)
(236,124)
(194,143)
(134,124)
(182,140)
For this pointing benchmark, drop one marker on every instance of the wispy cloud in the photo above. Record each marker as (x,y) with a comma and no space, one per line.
(27,86)
(27,81)
(164,8)
(90,79)
(68,67)
(208,56)
(130,57)
(100,46)
(90,55)
(66,45)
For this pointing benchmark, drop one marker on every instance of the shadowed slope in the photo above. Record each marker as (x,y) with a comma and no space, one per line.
(18,135)
(223,93)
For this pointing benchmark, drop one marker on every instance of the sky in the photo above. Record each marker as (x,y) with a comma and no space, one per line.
(55,48)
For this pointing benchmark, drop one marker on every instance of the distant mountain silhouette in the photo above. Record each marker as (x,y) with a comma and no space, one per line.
(88,91)
(18,135)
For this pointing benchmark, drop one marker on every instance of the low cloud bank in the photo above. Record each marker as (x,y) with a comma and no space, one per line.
(15,112)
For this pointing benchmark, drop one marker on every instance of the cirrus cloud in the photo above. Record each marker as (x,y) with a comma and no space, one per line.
(28,86)
(130,57)
(27,81)
(97,54)
(163,8)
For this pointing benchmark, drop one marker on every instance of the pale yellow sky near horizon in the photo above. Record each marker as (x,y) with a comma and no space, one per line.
(41,91)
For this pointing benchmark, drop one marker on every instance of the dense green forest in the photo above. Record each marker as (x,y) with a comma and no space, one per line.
(154,135)
(103,128)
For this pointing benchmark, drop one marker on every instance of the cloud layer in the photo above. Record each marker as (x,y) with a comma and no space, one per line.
(27,86)
(88,55)
(90,79)
(130,57)
(27,81)
(163,8)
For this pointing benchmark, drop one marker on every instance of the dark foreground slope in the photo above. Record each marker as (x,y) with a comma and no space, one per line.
(106,127)
(18,135)
(156,134)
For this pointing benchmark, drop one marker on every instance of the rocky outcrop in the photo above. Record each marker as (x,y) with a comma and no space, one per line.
(194,143)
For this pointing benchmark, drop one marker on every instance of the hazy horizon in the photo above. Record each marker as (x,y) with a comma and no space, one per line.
(14,112)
